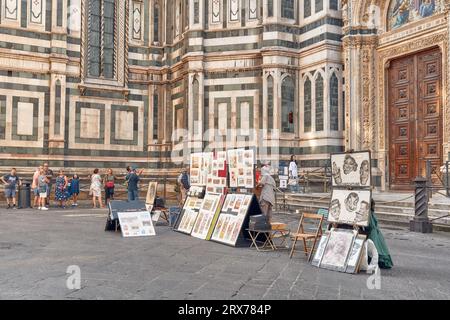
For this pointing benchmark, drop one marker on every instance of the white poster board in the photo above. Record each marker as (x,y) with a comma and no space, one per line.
(350,207)
(136,224)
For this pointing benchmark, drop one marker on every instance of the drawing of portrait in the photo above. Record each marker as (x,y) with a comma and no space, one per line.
(344,169)
(335,209)
(350,207)
(351,202)
(350,164)
(320,249)
(336,172)
(337,250)
(151,193)
(363,213)
(364,172)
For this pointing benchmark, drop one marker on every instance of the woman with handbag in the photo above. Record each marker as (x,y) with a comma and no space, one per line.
(109,184)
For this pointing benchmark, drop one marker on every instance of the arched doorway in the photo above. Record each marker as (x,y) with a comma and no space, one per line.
(415,117)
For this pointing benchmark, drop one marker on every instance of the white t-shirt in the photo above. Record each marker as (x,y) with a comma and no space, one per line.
(293,172)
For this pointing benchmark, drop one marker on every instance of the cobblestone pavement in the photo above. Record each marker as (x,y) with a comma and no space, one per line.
(37,247)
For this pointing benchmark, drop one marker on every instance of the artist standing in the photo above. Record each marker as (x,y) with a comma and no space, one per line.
(267,198)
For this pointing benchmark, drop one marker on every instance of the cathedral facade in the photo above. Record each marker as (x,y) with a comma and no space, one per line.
(110,83)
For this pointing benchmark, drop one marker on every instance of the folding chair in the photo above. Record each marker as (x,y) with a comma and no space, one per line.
(306,237)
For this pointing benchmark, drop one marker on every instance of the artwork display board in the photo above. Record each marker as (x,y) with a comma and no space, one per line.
(207,216)
(200,167)
(350,207)
(188,215)
(136,224)
(151,193)
(217,177)
(354,260)
(351,169)
(234,217)
(241,166)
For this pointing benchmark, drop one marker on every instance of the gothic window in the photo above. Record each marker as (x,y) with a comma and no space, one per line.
(334,4)
(319,6)
(287,9)
(101,38)
(195,94)
(156,23)
(319,103)
(306,8)
(59,12)
(270,8)
(287,105)
(307,94)
(196,11)
(215,11)
(155,116)
(334,103)
(269,103)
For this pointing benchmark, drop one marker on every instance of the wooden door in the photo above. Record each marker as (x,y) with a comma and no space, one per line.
(415,117)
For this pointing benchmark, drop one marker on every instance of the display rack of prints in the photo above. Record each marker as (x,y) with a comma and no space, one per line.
(200,167)
(136,224)
(207,216)
(188,215)
(217,177)
(241,168)
(233,218)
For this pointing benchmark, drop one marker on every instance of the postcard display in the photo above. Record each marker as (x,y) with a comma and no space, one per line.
(237,208)
(342,249)
(188,216)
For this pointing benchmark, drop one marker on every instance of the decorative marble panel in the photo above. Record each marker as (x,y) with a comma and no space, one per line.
(89,123)
(137,20)
(252,9)
(36,7)
(215,11)
(25,118)
(234,10)
(11,9)
(124,125)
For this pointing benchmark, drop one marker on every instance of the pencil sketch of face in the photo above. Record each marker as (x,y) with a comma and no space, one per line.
(351,202)
(349,165)
(336,174)
(364,172)
(335,209)
(363,213)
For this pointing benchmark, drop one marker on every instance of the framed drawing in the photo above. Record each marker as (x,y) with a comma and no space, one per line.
(320,249)
(151,193)
(350,207)
(351,169)
(337,250)
(355,255)
(241,164)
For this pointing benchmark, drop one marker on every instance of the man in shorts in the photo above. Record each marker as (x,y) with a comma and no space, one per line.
(11,181)
(35,186)
(43,189)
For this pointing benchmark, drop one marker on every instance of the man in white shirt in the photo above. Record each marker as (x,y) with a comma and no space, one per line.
(293,175)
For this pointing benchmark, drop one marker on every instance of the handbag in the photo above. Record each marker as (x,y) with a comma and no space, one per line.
(109,184)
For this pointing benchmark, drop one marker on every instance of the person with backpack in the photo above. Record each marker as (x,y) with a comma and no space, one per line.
(184,183)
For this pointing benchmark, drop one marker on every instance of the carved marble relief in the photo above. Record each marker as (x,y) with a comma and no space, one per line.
(137,20)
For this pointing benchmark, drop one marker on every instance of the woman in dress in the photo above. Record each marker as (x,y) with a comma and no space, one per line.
(61,189)
(96,189)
